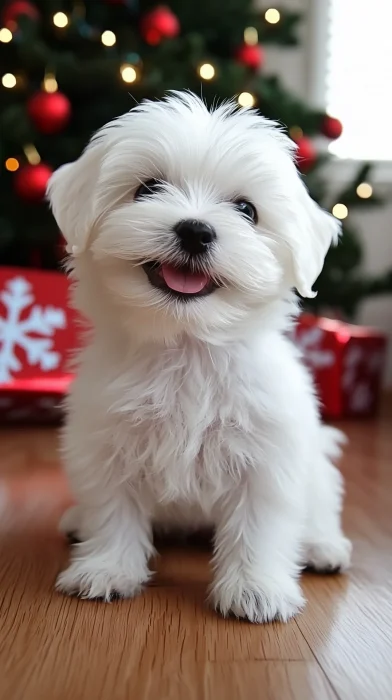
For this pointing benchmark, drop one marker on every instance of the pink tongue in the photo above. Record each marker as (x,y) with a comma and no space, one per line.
(185,282)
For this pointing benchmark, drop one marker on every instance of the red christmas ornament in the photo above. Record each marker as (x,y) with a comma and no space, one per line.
(49,112)
(306,153)
(331,127)
(13,10)
(251,56)
(31,181)
(161,23)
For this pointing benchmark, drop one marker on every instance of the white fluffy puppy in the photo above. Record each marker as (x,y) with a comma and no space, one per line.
(188,230)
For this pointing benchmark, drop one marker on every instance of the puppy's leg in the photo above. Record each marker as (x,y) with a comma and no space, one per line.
(112,558)
(326,549)
(257,550)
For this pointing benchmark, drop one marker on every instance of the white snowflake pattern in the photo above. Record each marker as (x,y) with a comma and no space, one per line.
(361,392)
(17,332)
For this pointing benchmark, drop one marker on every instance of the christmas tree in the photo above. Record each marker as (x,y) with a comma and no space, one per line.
(70,66)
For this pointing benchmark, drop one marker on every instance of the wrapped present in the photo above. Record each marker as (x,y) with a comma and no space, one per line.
(347,363)
(38,331)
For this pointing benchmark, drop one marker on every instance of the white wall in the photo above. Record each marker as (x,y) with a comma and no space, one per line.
(375,228)
(374,225)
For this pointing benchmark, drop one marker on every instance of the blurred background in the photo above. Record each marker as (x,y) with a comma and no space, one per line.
(319,67)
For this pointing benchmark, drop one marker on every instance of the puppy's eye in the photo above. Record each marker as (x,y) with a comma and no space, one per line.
(147,188)
(247,209)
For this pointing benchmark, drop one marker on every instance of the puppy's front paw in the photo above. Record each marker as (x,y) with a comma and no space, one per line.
(261,601)
(329,556)
(98,581)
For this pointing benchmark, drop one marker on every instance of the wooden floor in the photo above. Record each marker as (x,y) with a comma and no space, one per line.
(167,644)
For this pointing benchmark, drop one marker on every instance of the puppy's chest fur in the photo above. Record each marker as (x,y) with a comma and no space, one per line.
(190,421)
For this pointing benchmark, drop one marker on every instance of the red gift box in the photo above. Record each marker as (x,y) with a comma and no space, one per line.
(347,363)
(38,331)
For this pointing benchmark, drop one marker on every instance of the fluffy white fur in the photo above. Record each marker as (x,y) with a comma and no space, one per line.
(197,413)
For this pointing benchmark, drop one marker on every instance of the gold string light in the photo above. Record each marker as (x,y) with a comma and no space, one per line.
(108,38)
(31,153)
(295,132)
(8,80)
(340,211)
(251,36)
(272,16)
(128,73)
(12,165)
(5,35)
(364,190)
(206,71)
(49,83)
(246,99)
(60,20)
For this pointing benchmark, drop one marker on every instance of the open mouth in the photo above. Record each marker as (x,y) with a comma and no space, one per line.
(180,282)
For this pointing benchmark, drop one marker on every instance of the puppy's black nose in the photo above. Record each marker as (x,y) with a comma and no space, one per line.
(195,236)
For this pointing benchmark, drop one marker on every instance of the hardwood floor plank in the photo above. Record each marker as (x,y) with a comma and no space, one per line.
(143,679)
(348,628)
(273,680)
(348,619)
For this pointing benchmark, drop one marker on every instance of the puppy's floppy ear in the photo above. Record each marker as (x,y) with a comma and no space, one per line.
(72,196)
(311,234)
